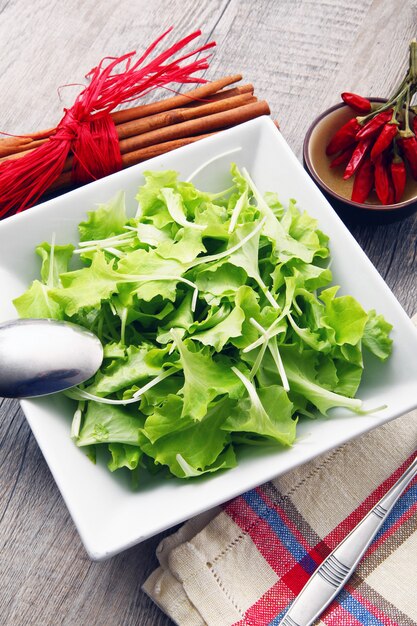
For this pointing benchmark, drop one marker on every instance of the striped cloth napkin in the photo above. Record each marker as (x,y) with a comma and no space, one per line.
(243,564)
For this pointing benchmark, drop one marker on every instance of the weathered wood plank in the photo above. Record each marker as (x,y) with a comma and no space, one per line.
(299,55)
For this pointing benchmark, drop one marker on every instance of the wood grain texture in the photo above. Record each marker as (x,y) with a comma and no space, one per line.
(300,54)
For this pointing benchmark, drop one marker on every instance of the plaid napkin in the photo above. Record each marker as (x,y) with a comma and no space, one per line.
(244,564)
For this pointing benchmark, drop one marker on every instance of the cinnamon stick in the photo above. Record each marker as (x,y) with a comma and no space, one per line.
(180,100)
(198,126)
(175,116)
(224,93)
(21,147)
(12,143)
(137,156)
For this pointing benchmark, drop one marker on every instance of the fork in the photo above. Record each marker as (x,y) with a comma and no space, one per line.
(331,576)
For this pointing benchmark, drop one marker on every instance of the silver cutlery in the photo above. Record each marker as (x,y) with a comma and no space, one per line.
(332,575)
(41,356)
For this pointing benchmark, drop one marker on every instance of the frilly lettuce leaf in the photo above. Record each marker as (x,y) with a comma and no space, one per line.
(55,261)
(221,333)
(302,374)
(186,246)
(103,423)
(166,434)
(105,221)
(219,281)
(268,414)
(345,315)
(376,336)
(37,302)
(87,287)
(140,363)
(205,378)
(124,455)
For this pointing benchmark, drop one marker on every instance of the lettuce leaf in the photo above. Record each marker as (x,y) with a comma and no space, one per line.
(205,378)
(55,260)
(37,302)
(109,424)
(376,336)
(199,444)
(124,455)
(106,221)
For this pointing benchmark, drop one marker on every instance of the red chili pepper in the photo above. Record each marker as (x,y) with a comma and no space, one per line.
(343,158)
(372,127)
(391,192)
(364,181)
(384,140)
(409,147)
(383,185)
(358,103)
(356,158)
(344,137)
(399,177)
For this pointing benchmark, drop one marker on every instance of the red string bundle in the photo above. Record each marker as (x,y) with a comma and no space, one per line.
(87,128)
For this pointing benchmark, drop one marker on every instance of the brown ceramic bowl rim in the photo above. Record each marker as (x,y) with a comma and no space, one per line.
(388,208)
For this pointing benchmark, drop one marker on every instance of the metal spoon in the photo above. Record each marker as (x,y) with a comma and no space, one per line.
(42,356)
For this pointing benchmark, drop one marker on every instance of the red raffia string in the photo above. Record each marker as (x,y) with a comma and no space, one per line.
(87,128)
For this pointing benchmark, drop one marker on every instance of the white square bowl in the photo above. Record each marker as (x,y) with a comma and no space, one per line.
(110,517)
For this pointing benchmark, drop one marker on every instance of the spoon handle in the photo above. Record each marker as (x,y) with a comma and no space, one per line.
(331,576)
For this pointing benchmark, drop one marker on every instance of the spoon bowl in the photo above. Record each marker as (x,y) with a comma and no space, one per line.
(42,356)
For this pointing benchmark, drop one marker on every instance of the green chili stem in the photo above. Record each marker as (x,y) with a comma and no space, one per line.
(398,108)
(407,132)
(407,111)
(413,60)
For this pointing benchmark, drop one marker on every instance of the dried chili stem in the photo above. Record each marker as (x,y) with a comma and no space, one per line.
(413,61)
(407,132)
(398,107)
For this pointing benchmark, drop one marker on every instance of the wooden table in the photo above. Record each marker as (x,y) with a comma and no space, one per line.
(300,56)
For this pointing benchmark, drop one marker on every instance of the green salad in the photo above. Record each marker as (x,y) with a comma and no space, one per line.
(219,323)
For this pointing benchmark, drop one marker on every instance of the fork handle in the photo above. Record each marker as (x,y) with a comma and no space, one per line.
(331,576)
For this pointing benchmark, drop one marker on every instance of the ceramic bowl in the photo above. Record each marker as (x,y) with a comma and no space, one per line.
(110,516)
(337,190)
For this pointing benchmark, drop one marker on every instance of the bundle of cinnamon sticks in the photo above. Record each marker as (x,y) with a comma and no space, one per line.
(152,129)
